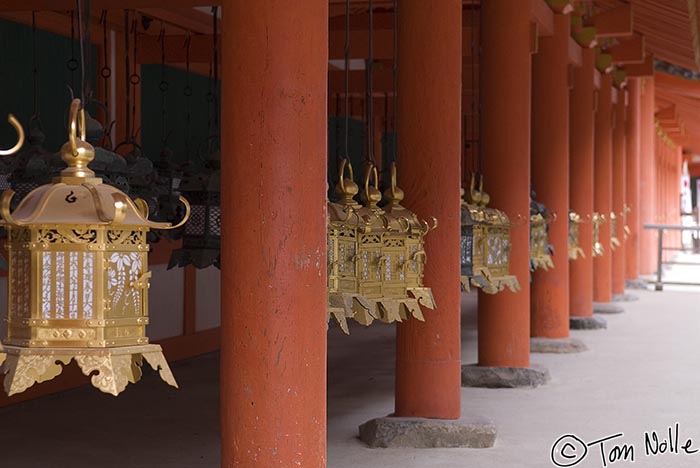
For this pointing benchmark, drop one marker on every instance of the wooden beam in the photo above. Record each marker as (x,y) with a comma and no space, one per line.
(628,51)
(574,52)
(616,22)
(641,69)
(543,16)
(98,5)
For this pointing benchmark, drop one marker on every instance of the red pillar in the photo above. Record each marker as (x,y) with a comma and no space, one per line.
(505,77)
(549,290)
(582,117)
(273,265)
(428,360)
(602,196)
(619,190)
(647,186)
(632,177)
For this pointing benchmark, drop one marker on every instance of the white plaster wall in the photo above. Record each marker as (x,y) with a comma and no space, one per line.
(165,296)
(208,298)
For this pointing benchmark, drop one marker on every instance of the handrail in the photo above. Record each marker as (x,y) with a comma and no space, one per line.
(659,284)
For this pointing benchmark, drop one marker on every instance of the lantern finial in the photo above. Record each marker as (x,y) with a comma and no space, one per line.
(76,152)
(346,188)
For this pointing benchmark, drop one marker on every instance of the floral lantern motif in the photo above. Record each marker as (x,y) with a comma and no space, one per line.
(614,240)
(375,255)
(598,249)
(485,244)
(540,248)
(575,250)
(78,280)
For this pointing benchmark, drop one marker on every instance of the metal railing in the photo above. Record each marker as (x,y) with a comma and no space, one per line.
(659,284)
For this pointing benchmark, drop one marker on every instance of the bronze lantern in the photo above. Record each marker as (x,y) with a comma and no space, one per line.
(574,247)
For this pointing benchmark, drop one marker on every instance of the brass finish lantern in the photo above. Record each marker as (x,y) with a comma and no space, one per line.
(485,249)
(598,249)
(375,255)
(78,279)
(614,240)
(540,249)
(575,250)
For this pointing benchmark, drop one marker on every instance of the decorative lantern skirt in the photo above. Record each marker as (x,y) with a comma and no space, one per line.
(598,249)
(78,280)
(575,250)
(375,256)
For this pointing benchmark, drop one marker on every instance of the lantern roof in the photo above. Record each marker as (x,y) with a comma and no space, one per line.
(77,196)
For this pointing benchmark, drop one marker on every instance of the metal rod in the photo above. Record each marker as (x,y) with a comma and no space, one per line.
(659,260)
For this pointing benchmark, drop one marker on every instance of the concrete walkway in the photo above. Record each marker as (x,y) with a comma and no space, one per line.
(641,374)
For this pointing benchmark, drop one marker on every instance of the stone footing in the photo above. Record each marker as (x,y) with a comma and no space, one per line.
(428,433)
(587,323)
(503,377)
(624,298)
(637,284)
(556,345)
(607,308)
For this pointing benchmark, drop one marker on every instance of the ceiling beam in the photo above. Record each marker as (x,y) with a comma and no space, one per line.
(55,5)
(616,22)
(641,69)
(628,51)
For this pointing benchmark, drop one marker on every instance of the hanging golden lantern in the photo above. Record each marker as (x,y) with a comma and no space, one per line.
(487,266)
(598,249)
(627,210)
(540,249)
(575,249)
(78,279)
(375,257)
(614,240)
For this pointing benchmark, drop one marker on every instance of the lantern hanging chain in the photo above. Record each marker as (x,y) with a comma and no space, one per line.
(474,140)
(84,57)
(215,103)
(369,90)
(105,71)
(346,129)
(187,91)
(35,70)
(72,63)
(127,73)
(476,54)
(163,87)
(134,78)
(395,78)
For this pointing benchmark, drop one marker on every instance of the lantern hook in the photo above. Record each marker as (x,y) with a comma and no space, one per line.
(20,136)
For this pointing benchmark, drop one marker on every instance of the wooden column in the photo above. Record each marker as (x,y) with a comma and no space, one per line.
(602,195)
(619,190)
(647,186)
(582,118)
(505,78)
(273,245)
(549,290)
(428,360)
(632,177)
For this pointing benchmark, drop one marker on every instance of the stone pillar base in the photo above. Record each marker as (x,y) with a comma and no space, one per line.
(624,298)
(474,375)
(607,308)
(556,345)
(587,323)
(637,284)
(390,432)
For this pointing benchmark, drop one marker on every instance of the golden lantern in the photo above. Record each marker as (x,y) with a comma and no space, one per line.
(575,250)
(375,256)
(598,249)
(540,249)
(614,240)
(485,249)
(78,278)
(627,231)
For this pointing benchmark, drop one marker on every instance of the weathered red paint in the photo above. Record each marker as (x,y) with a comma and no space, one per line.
(505,77)
(273,252)
(549,290)
(582,117)
(647,186)
(428,360)
(632,177)
(619,189)
(602,196)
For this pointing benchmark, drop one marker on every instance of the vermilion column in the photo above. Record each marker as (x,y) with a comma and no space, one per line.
(428,361)
(549,290)
(505,77)
(602,196)
(582,117)
(619,191)
(647,187)
(632,177)
(273,252)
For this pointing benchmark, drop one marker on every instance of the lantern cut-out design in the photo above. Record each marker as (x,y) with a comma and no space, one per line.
(78,279)
(614,240)
(598,220)
(485,244)
(375,255)
(540,248)
(575,250)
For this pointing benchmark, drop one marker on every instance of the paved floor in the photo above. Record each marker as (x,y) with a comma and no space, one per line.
(641,374)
